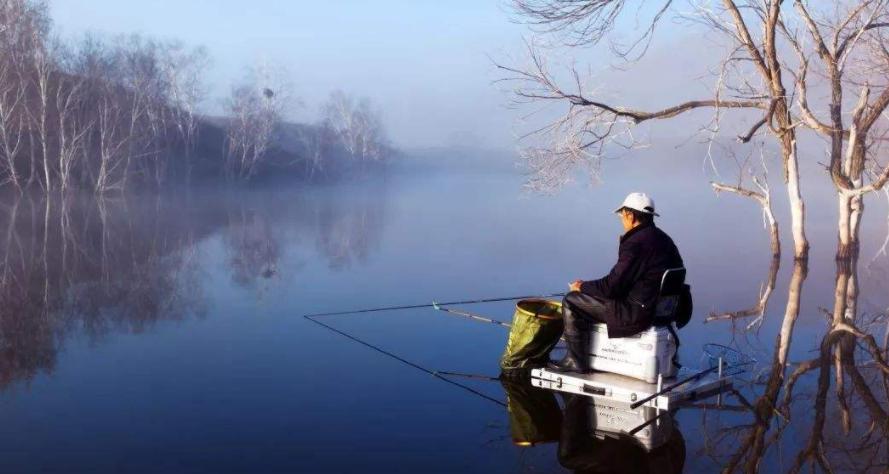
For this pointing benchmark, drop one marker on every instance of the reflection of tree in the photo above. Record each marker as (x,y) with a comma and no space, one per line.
(349,229)
(70,263)
(759,309)
(345,227)
(837,356)
(849,430)
(754,444)
(253,246)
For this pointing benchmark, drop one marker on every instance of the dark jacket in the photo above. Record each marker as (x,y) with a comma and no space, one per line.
(629,291)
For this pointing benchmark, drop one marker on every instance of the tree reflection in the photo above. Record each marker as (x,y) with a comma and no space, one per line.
(341,229)
(254,249)
(71,263)
(758,310)
(348,233)
(849,424)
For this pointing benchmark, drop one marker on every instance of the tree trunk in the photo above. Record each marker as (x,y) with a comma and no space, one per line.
(774,235)
(846,243)
(797,206)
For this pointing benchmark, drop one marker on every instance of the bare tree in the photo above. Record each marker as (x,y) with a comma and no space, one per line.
(12,127)
(357,126)
(760,192)
(183,70)
(750,79)
(315,143)
(852,54)
(73,123)
(39,112)
(255,108)
(112,145)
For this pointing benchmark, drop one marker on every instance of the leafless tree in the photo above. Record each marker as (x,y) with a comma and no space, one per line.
(760,192)
(847,47)
(112,144)
(39,111)
(184,69)
(12,126)
(356,125)
(315,143)
(751,78)
(254,110)
(73,123)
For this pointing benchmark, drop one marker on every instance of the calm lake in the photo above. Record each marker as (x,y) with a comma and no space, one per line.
(165,333)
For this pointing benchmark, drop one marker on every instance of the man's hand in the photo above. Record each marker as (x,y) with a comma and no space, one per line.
(575,285)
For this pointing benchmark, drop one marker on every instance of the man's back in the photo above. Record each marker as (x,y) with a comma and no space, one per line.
(645,253)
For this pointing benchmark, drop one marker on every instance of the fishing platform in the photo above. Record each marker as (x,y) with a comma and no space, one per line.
(686,386)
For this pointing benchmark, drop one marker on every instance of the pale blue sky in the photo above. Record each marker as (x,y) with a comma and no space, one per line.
(425,63)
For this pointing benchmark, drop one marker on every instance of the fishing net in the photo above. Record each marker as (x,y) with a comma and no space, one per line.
(536,328)
(733,361)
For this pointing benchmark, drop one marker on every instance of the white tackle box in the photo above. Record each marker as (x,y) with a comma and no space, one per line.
(642,356)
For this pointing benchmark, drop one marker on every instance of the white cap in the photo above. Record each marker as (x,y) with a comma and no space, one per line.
(638,202)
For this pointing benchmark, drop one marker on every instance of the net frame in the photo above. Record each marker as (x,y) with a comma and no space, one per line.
(733,360)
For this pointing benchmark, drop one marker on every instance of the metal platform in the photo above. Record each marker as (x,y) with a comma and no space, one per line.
(618,388)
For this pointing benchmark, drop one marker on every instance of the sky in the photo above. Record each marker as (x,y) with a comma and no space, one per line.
(426,64)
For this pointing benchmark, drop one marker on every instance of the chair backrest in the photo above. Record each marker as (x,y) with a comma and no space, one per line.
(668,293)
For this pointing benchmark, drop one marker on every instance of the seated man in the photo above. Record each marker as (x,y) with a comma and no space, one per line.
(625,298)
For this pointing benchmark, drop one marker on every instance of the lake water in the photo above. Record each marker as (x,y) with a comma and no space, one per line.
(165,334)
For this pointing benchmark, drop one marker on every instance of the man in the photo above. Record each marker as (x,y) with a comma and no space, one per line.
(625,298)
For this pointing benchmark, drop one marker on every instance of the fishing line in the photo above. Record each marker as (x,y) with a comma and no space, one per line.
(431,305)
(438,375)
(470,376)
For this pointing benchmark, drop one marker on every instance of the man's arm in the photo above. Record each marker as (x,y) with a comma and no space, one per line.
(618,280)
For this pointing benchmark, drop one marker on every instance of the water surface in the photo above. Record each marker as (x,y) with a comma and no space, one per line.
(165,333)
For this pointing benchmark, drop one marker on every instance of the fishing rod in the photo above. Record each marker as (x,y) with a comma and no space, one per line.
(436,374)
(431,305)
(719,354)
(670,388)
(469,315)
(477,317)
(639,428)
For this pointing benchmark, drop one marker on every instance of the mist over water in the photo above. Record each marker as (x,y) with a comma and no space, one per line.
(164,332)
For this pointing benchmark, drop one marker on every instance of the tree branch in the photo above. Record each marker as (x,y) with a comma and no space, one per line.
(639,116)
(747,39)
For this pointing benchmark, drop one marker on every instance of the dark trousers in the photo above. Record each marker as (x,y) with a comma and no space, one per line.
(580,311)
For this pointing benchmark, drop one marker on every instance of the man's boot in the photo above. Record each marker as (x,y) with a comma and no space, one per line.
(576,358)
(577,338)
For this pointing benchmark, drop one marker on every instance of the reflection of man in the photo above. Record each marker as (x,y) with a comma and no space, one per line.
(581,451)
(625,298)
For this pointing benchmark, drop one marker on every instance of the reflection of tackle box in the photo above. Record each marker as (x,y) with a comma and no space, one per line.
(642,356)
(612,418)
(620,389)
